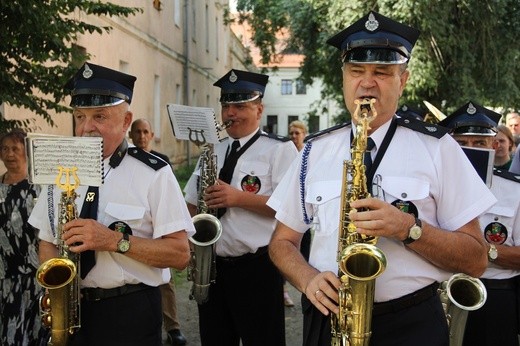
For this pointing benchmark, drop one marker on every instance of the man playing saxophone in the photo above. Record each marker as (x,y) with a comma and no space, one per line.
(495,323)
(426,222)
(130,228)
(245,302)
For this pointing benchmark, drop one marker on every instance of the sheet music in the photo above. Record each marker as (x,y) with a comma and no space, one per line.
(46,153)
(196,124)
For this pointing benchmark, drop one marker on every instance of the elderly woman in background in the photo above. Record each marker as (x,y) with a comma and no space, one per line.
(297,133)
(19,292)
(504,145)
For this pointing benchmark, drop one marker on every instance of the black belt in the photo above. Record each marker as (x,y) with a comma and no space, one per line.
(500,284)
(406,301)
(95,294)
(247,257)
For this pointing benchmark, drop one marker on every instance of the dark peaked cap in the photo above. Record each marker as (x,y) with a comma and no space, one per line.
(375,39)
(98,86)
(241,86)
(472,119)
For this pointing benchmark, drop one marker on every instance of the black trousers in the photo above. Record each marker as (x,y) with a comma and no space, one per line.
(495,323)
(133,319)
(245,303)
(422,324)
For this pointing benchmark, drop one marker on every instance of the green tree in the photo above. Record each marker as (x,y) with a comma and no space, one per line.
(37,51)
(468,49)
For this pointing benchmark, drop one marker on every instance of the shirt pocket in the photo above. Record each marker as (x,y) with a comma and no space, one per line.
(323,197)
(404,188)
(129,214)
(254,176)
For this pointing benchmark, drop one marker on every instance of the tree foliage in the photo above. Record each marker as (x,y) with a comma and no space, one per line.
(467,50)
(37,51)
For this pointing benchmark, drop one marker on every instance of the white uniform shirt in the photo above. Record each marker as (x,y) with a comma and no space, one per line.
(149,201)
(434,174)
(267,159)
(507,213)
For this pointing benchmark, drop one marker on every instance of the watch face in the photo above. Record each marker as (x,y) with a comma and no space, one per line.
(123,246)
(415,232)
(493,253)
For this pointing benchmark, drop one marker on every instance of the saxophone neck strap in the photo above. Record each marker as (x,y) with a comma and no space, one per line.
(380,152)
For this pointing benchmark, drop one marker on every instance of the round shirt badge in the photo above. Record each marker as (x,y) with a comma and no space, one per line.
(251,183)
(495,233)
(121,227)
(406,206)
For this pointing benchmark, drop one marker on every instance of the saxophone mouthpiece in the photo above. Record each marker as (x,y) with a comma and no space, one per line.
(225,125)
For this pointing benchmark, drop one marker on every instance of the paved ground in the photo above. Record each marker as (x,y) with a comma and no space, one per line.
(188,316)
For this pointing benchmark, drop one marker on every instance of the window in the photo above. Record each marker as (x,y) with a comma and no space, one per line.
(286,87)
(157,106)
(177,12)
(272,124)
(292,118)
(301,88)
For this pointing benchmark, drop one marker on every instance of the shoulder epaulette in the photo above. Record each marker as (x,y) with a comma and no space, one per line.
(273,136)
(420,126)
(506,175)
(150,160)
(326,131)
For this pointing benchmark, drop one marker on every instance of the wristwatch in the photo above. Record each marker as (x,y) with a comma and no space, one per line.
(123,245)
(414,233)
(492,253)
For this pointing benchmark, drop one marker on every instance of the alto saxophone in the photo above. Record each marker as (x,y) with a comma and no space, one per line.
(459,294)
(359,260)
(202,269)
(60,307)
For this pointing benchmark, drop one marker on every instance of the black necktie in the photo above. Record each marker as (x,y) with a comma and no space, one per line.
(367,159)
(226,173)
(89,211)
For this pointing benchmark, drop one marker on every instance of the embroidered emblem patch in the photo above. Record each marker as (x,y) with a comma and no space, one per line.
(251,183)
(406,206)
(495,233)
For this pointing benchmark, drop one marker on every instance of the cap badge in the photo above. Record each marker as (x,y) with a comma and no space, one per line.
(404,108)
(87,72)
(371,24)
(471,109)
(233,77)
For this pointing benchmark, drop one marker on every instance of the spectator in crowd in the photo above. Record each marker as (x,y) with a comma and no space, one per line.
(504,146)
(19,291)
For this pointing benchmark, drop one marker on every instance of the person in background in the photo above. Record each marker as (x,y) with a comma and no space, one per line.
(504,146)
(513,123)
(19,292)
(495,323)
(426,222)
(406,111)
(297,133)
(142,136)
(246,301)
(129,230)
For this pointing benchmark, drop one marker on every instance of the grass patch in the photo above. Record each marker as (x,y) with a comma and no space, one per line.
(183,173)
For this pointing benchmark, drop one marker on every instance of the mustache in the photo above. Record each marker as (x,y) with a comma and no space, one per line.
(92,134)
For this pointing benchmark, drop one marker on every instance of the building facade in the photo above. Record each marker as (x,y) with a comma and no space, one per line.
(177,49)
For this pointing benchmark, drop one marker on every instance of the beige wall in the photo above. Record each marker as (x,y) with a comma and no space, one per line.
(150,45)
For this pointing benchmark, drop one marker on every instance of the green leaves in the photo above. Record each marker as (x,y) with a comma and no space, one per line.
(468,49)
(37,52)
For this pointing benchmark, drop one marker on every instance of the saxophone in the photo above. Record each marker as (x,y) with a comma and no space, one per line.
(459,294)
(60,307)
(359,260)
(202,269)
